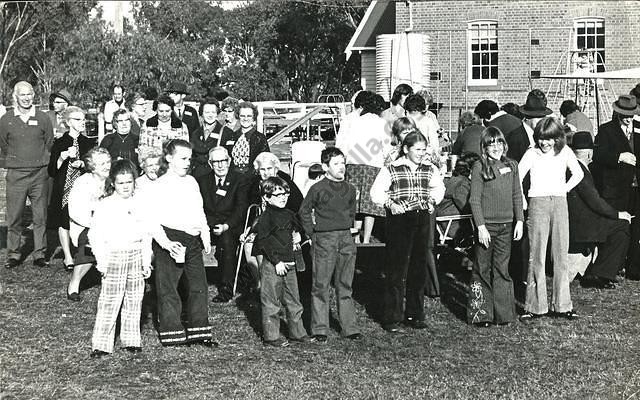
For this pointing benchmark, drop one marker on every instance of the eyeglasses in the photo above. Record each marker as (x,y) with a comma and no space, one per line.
(279,194)
(219,162)
(246,116)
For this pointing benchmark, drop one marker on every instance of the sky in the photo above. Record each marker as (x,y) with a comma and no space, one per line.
(108,7)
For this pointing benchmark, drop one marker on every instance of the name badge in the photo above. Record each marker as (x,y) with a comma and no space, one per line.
(215,135)
(230,142)
(32,122)
(504,170)
(188,113)
(221,192)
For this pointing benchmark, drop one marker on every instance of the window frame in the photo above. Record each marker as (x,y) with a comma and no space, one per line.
(598,48)
(482,30)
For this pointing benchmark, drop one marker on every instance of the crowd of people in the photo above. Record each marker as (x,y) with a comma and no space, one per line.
(168,182)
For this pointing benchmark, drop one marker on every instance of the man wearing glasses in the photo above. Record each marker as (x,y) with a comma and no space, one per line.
(26,137)
(224,195)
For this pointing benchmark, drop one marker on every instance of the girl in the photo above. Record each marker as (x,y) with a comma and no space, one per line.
(180,232)
(122,249)
(409,189)
(548,216)
(496,198)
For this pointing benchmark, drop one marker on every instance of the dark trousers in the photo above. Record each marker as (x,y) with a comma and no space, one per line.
(633,253)
(226,248)
(167,275)
(405,266)
(23,184)
(276,291)
(612,253)
(491,288)
(432,285)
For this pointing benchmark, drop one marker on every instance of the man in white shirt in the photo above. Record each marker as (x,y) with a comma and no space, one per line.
(118,94)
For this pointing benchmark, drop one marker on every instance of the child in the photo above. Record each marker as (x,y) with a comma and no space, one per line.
(496,198)
(315,173)
(409,188)
(327,214)
(279,285)
(549,217)
(122,249)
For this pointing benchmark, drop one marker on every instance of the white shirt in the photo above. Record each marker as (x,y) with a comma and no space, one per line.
(366,143)
(83,198)
(429,127)
(548,171)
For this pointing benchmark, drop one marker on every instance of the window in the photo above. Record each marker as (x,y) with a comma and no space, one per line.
(483,53)
(589,43)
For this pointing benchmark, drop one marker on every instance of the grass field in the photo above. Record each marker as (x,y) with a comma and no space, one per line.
(45,345)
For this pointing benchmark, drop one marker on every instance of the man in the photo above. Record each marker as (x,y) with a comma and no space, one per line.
(593,221)
(224,195)
(140,112)
(26,137)
(118,94)
(615,169)
(178,91)
(512,127)
(576,119)
(59,101)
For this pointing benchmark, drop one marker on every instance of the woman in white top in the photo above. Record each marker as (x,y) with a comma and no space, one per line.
(122,247)
(176,218)
(547,164)
(83,198)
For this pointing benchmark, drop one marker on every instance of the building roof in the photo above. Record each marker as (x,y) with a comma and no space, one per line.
(380,18)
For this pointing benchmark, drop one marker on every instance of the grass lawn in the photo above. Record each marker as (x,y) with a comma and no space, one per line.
(45,344)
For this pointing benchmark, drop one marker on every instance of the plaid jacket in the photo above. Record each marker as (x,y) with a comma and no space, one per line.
(411,189)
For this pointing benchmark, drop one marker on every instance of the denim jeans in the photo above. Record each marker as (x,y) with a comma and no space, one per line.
(548,217)
(491,298)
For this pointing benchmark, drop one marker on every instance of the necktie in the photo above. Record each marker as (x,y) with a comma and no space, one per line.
(219,182)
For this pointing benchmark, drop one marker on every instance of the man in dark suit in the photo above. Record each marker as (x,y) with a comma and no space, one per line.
(594,221)
(224,195)
(187,114)
(615,169)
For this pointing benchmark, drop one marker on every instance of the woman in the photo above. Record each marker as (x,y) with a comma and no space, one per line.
(65,166)
(122,142)
(206,137)
(468,141)
(87,190)
(548,217)
(416,108)
(229,107)
(346,122)
(365,150)
(409,189)
(161,127)
(245,144)
(176,216)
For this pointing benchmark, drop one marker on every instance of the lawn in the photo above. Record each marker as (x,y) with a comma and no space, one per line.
(45,344)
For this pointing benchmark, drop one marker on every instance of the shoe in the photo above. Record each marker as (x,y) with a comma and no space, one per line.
(280,342)
(529,317)
(40,262)
(609,285)
(98,354)
(221,299)
(75,296)
(200,342)
(69,267)
(133,349)
(354,336)
(415,323)
(303,340)
(320,338)
(570,315)
(12,263)
(394,328)
(482,324)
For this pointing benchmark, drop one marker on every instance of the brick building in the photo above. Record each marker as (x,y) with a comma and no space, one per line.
(477,49)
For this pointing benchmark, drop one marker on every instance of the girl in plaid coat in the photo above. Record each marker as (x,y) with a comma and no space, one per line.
(122,248)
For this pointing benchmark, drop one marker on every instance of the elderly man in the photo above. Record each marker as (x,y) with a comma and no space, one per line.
(593,221)
(117,102)
(59,101)
(26,137)
(187,114)
(224,195)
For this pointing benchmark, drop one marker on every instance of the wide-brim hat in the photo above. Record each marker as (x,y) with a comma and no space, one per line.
(535,107)
(63,94)
(626,105)
(177,87)
(581,140)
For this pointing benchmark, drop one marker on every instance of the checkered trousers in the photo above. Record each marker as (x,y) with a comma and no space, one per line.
(410,189)
(122,287)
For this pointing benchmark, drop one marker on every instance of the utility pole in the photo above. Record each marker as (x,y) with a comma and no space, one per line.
(118,18)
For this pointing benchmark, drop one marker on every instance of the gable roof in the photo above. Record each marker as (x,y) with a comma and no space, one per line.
(380,18)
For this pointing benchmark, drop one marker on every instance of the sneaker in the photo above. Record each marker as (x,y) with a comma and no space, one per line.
(304,339)
(415,323)
(570,315)
(529,317)
(280,342)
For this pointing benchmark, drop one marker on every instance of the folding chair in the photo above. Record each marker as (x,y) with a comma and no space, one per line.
(255,208)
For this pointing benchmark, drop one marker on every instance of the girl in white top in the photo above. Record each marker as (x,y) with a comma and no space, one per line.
(122,247)
(547,164)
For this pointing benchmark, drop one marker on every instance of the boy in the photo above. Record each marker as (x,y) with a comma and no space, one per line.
(327,214)
(275,241)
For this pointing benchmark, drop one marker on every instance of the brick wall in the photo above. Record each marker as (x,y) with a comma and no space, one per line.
(548,21)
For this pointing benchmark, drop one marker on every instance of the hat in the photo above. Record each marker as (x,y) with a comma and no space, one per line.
(63,94)
(626,105)
(536,105)
(177,87)
(582,140)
